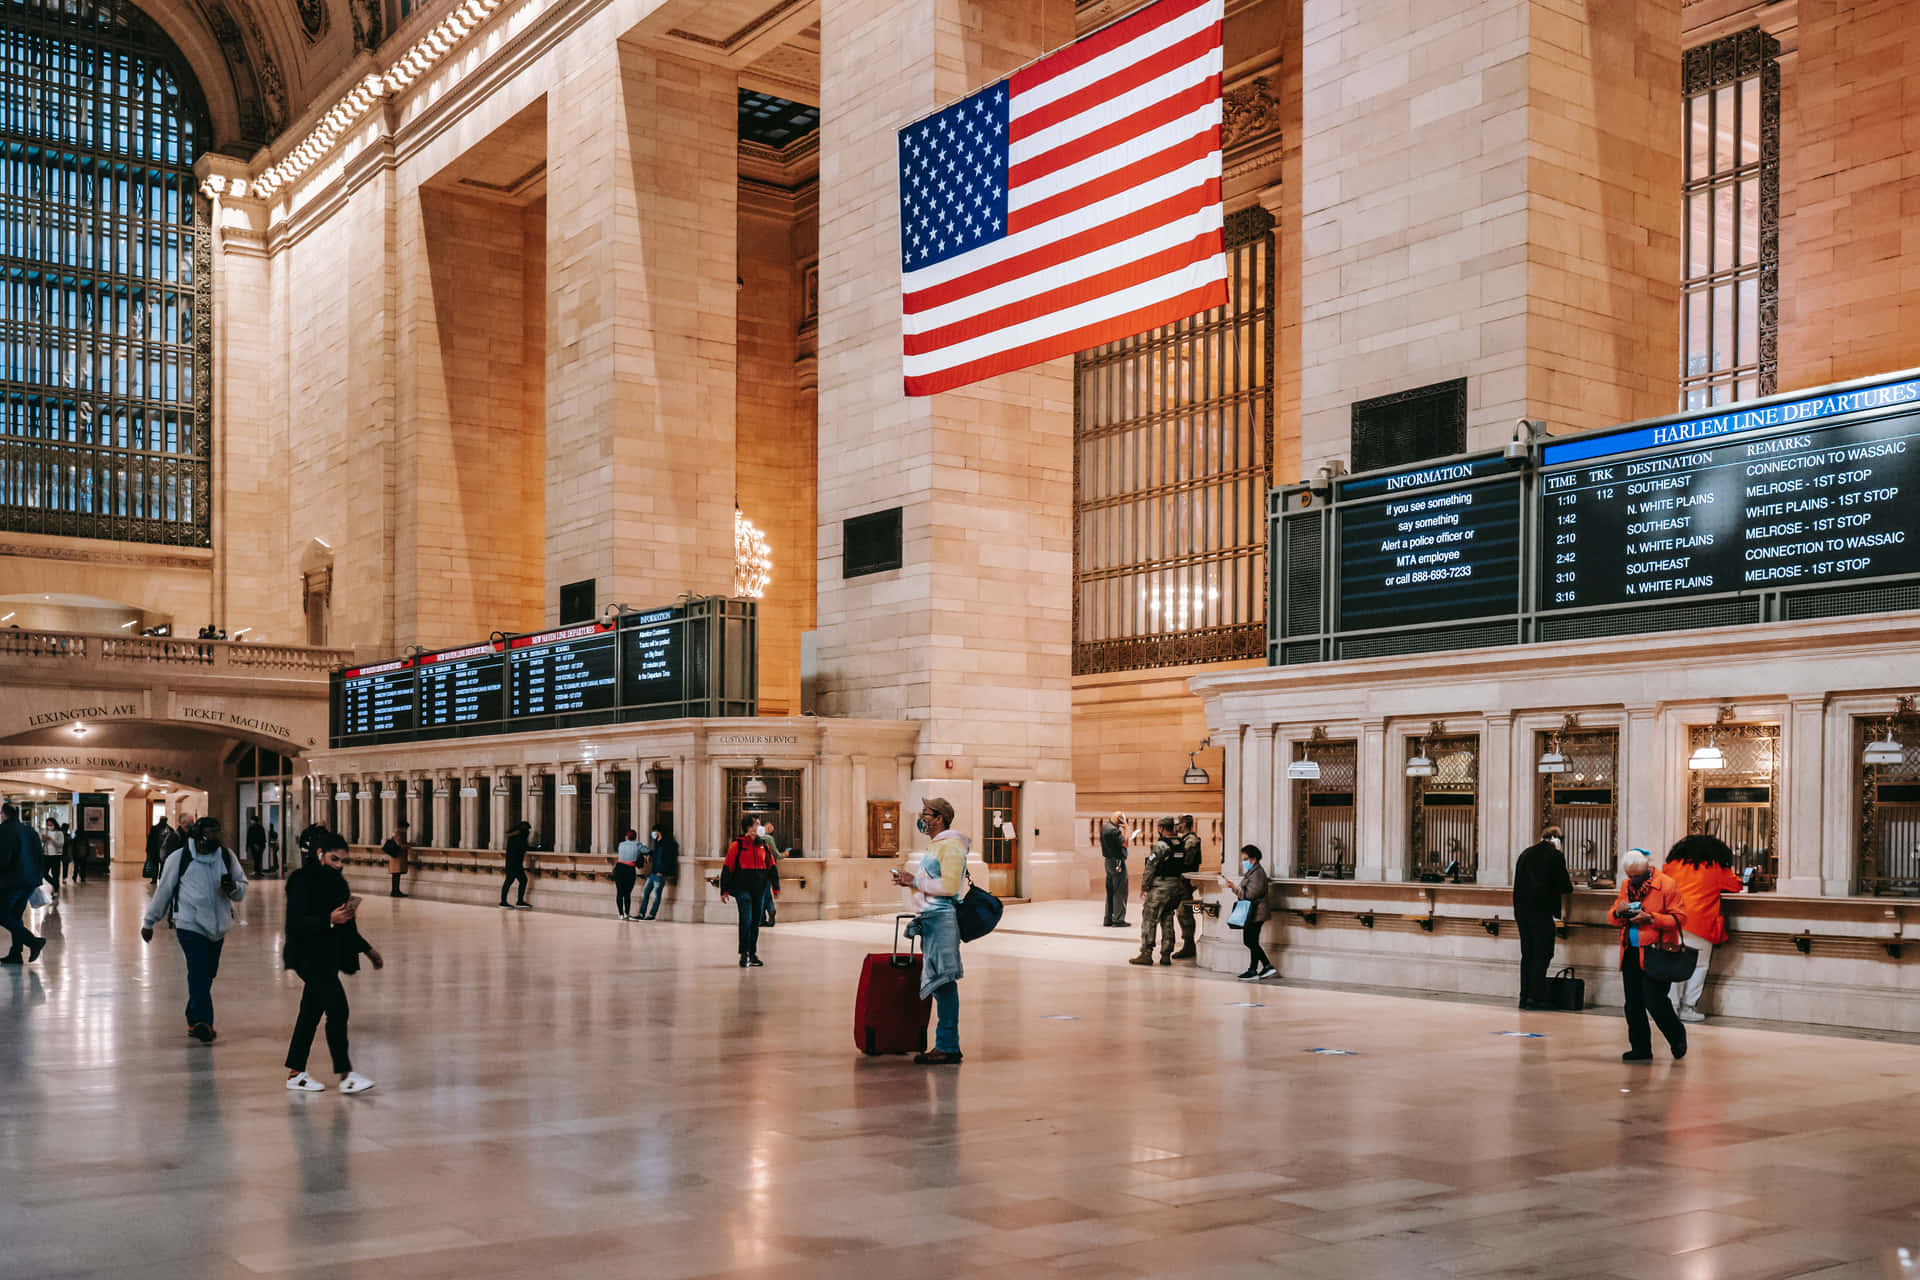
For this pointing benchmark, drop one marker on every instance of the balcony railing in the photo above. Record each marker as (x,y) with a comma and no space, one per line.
(173,651)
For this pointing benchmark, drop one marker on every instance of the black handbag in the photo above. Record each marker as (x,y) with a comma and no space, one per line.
(977,912)
(1664,964)
(1566,992)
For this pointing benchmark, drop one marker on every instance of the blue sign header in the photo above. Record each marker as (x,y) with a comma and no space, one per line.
(1783,413)
(1451,471)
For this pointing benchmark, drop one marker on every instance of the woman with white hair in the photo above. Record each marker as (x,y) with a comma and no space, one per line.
(1650,914)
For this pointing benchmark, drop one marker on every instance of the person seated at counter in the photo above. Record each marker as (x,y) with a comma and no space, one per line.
(1702,865)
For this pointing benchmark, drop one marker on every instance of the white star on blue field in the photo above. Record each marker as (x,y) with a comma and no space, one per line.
(953,179)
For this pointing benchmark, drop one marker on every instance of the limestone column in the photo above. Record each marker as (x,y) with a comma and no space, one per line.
(685,811)
(389,806)
(642,179)
(1803,776)
(532,787)
(645,795)
(363,792)
(1261,787)
(1234,763)
(1282,857)
(972,638)
(1374,773)
(602,835)
(498,798)
(1498,772)
(1499,203)
(416,809)
(1645,781)
(563,809)
(442,807)
(342,805)
(469,812)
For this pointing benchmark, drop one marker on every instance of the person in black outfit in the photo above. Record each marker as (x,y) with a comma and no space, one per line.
(256,842)
(157,841)
(1113,851)
(309,840)
(517,840)
(323,942)
(1541,893)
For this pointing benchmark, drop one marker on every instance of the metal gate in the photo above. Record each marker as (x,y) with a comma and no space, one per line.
(1889,860)
(1444,810)
(1584,801)
(1736,801)
(1323,839)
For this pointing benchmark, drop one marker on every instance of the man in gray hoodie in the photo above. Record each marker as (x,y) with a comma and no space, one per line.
(200,882)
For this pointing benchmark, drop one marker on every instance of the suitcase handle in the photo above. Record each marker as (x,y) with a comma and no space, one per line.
(898,960)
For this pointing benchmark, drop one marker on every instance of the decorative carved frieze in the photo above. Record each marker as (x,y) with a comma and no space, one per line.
(1248,113)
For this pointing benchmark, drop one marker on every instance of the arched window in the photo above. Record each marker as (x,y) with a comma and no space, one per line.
(105,263)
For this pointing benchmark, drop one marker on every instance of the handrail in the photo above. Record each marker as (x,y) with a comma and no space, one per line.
(171,651)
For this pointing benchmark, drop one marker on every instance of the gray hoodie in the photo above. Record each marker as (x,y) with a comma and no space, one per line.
(203,909)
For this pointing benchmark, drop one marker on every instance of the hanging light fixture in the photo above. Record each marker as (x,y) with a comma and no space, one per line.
(752,563)
(755,786)
(1552,761)
(1195,776)
(1711,757)
(1306,768)
(1887,751)
(1419,765)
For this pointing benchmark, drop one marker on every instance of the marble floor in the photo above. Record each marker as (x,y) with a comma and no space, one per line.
(563,1098)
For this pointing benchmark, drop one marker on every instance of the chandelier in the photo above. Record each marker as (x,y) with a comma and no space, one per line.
(752,565)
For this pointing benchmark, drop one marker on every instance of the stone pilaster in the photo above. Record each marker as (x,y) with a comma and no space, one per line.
(642,180)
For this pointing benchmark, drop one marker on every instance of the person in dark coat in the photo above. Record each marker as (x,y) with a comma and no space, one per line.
(157,841)
(1113,851)
(256,843)
(21,871)
(517,840)
(1542,892)
(663,867)
(323,942)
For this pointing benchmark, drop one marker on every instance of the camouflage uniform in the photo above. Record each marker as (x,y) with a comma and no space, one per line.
(1160,887)
(1189,862)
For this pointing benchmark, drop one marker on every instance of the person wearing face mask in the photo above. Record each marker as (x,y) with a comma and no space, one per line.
(663,866)
(1650,914)
(1252,888)
(1542,892)
(937,879)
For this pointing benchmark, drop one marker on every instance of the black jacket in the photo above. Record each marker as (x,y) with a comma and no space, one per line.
(20,866)
(1112,843)
(517,849)
(666,858)
(159,836)
(1540,879)
(315,944)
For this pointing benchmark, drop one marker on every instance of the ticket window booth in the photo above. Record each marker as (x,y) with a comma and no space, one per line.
(775,801)
(1323,837)
(483,819)
(1732,780)
(1579,792)
(622,784)
(1889,801)
(543,810)
(426,837)
(582,802)
(1000,837)
(1443,808)
(516,806)
(662,780)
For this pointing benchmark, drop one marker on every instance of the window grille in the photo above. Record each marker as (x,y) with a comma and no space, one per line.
(1443,810)
(1325,841)
(1173,448)
(1584,802)
(1409,426)
(105,264)
(1730,294)
(1888,861)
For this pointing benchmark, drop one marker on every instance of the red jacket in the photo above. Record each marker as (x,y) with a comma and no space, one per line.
(1700,890)
(1662,914)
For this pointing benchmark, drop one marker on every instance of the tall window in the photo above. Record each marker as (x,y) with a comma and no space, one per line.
(1731,293)
(1173,441)
(105,349)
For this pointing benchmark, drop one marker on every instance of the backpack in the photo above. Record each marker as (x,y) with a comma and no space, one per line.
(186,860)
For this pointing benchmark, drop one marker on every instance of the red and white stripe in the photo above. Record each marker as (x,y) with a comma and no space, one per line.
(1113,206)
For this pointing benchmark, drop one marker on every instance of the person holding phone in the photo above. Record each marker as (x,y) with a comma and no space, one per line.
(1650,913)
(1252,889)
(323,942)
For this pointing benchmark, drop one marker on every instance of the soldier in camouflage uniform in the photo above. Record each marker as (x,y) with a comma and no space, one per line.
(1189,862)
(1160,888)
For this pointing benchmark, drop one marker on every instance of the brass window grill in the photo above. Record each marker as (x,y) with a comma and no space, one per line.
(1443,809)
(1585,800)
(1736,803)
(1889,809)
(1324,826)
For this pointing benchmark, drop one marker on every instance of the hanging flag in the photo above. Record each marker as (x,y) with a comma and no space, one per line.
(1073,203)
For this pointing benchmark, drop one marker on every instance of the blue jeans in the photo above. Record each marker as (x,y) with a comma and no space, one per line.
(203,966)
(766,904)
(946,1008)
(652,895)
(748,904)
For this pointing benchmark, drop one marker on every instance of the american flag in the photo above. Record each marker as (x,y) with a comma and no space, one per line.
(1073,203)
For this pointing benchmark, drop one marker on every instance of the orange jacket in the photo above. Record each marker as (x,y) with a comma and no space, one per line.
(1662,914)
(1700,890)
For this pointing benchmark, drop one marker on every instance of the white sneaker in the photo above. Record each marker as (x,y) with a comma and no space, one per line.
(304,1083)
(521,906)
(1692,1015)
(1268,972)
(355,1083)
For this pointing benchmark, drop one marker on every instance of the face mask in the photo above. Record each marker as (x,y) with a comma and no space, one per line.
(1555,841)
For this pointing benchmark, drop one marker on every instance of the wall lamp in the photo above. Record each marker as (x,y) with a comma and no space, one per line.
(1195,776)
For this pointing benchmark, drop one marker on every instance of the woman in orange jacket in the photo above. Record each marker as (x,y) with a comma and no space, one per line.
(1702,866)
(1650,914)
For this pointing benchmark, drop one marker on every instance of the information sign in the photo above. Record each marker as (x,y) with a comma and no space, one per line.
(1432,549)
(462,686)
(377,699)
(560,672)
(653,650)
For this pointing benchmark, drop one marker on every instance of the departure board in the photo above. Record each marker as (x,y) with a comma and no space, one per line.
(377,699)
(653,648)
(1433,549)
(1739,515)
(560,672)
(461,687)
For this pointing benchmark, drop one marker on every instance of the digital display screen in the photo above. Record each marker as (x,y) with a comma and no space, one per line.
(1430,551)
(377,699)
(462,686)
(557,672)
(653,648)
(1807,506)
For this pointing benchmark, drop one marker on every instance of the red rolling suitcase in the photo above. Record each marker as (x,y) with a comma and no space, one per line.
(888,1015)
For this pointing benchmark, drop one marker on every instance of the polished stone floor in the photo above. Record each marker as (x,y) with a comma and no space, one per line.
(564,1098)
